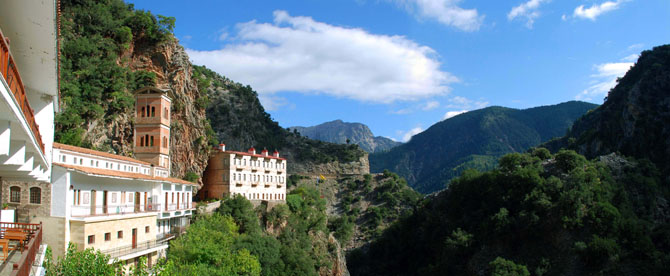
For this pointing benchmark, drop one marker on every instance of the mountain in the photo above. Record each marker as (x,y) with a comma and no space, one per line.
(239,120)
(109,49)
(635,118)
(474,140)
(339,132)
(561,214)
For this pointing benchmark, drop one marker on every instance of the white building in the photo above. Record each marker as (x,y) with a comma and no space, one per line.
(28,88)
(123,206)
(254,176)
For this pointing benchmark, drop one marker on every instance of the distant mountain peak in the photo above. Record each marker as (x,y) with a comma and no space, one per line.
(338,131)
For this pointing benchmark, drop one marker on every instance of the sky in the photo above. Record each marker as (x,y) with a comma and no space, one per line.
(400,66)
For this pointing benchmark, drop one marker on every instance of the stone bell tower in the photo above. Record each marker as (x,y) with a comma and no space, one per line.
(152,126)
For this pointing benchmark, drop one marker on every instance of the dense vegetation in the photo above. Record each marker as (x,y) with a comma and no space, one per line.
(536,214)
(94,84)
(634,118)
(474,139)
(368,204)
(239,120)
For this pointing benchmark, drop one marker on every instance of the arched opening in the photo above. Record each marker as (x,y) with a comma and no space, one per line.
(152,141)
(153,111)
(143,113)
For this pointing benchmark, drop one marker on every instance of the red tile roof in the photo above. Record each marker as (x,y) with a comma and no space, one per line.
(254,155)
(99,153)
(104,172)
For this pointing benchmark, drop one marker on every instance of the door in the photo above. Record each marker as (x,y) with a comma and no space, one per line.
(104,202)
(137,202)
(166,201)
(93,202)
(146,202)
(134,237)
(178,207)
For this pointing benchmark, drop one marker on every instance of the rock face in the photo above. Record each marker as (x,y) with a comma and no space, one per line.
(188,149)
(359,167)
(339,132)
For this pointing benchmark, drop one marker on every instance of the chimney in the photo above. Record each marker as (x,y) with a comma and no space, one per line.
(275,154)
(222,147)
(264,152)
(252,150)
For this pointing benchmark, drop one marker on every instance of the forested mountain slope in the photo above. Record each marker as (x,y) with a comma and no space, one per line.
(635,118)
(474,140)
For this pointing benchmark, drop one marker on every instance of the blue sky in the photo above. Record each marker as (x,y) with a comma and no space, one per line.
(400,66)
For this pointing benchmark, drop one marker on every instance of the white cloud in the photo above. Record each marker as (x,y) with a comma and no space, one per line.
(223,36)
(273,103)
(603,80)
(635,47)
(453,113)
(527,10)
(631,58)
(446,12)
(408,135)
(596,9)
(303,55)
(465,103)
(431,105)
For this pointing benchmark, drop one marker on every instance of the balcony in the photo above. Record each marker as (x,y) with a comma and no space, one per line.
(10,73)
(120,252)
(180,206)
(31,245)
(111,210)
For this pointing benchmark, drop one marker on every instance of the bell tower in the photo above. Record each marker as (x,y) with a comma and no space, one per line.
(152,126)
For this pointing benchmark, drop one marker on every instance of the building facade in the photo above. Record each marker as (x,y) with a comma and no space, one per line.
(125,207)
(252,175)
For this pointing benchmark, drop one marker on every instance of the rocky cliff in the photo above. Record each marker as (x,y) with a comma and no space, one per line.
(107,51)
(347,133)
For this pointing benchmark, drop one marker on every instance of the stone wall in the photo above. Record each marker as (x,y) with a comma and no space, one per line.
(27,212)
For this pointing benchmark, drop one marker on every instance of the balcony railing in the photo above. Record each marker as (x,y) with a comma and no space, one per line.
(118,252)
(10,72)
(110,210)
(180,206)
(34,231)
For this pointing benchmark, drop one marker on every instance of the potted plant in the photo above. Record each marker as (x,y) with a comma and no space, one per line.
(5,206)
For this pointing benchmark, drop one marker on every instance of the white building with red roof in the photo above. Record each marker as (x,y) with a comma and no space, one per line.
(257,177)
(125,207)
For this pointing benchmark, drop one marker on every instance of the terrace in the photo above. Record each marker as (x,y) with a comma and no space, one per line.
(21,244)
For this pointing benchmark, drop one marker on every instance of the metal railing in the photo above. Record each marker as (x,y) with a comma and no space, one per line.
(22,267)
(130,249)
(10,72)
(109,210)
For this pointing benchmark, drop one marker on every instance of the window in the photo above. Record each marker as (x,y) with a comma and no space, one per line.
(91,239)
(165,142)
(81,161)
(152,141)
(146,229)
(119,235)
(108,236)
(153,111)
(143,111)
(35,195)
(63,158)
(166,113)
(141,141)
(15,194)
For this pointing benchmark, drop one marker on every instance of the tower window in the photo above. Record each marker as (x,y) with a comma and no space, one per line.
(152,141)
(165,142)
(141,141)
(153,111)
(166,113)
(143,112)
